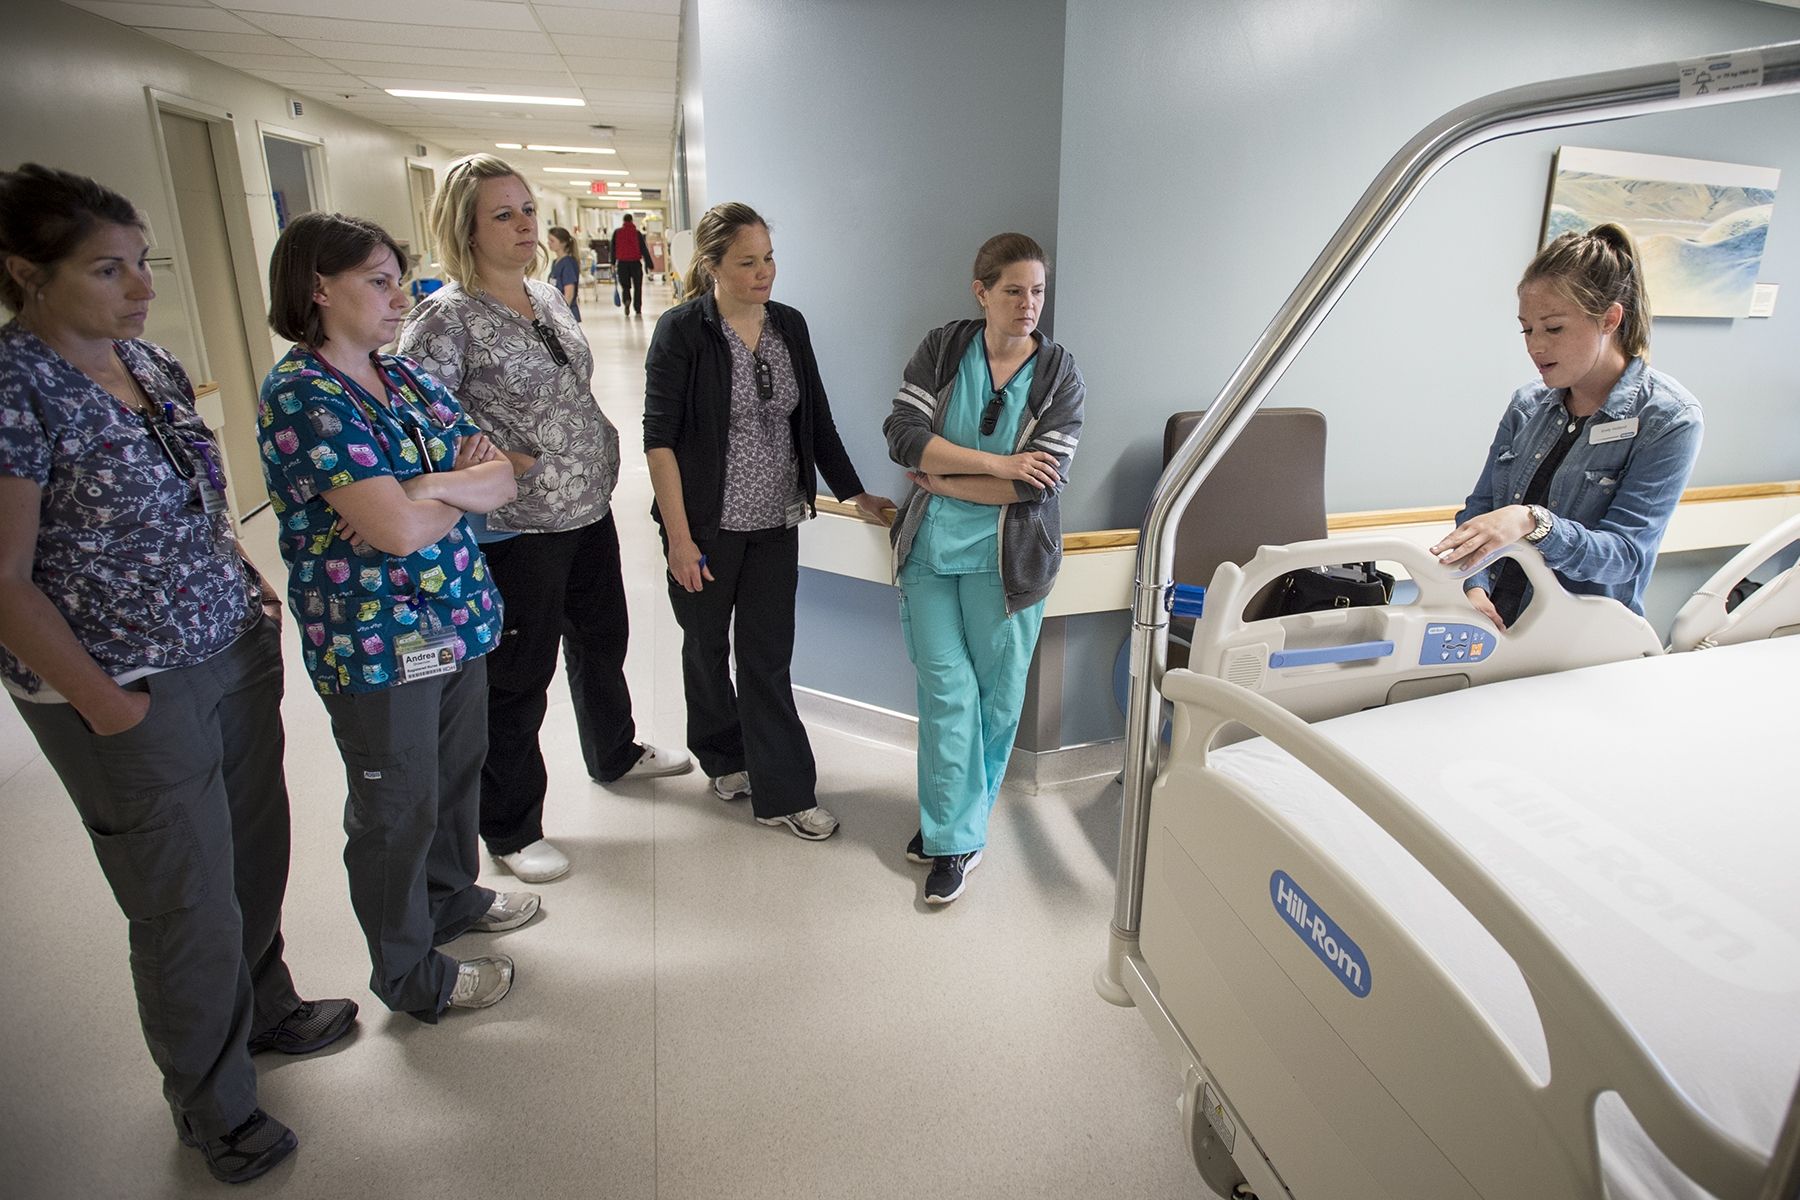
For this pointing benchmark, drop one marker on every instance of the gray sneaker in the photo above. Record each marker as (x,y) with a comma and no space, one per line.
(814,824)
(509,911)
(735,786)
(482,982)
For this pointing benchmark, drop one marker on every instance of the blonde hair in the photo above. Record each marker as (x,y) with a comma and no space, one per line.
(1596,270)
(712,238)
(453,216)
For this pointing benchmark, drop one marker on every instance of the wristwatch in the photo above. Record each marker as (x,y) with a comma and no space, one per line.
(1541,530)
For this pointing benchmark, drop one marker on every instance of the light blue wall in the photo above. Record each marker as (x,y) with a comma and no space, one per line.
(883,142)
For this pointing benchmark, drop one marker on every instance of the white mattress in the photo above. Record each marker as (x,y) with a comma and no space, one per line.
(1648,814)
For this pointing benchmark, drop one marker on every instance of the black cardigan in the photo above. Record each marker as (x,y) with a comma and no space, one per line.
(687,409)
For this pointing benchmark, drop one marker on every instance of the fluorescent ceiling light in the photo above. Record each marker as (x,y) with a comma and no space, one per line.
(569,149)
(584,171)
(508,146)
(415,94)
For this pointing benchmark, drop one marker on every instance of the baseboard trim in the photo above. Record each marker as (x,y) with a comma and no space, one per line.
(1029,771)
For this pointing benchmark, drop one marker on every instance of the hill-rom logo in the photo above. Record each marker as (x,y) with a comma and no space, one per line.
(1326,939)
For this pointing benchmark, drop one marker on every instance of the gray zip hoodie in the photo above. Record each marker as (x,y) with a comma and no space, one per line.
(1029,529)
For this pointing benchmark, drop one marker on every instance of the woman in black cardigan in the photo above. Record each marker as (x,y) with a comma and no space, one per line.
(736,429)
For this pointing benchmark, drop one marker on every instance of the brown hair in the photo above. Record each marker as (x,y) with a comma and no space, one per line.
(712,237)
(564,236)
(316,244)
(1596,270)
(46,213)
(453,215)
(1002,251)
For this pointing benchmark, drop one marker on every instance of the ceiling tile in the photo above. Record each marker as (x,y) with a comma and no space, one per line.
(361,51)
(453,79)
(254,64)
(243,43)
(181,3)
(671,7)
(593,86)
(609,47)
(652,26)
(165,16)
(583,64)
(478,14)
(404,42)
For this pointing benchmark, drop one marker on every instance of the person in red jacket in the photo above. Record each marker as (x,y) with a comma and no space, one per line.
(629,256)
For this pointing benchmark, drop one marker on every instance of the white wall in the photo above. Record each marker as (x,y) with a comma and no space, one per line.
(72,94)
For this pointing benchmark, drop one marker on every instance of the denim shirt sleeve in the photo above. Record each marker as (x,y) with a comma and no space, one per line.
(1481,499)
(1616,549)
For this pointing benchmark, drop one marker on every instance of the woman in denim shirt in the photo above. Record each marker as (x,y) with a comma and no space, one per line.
(1590,462)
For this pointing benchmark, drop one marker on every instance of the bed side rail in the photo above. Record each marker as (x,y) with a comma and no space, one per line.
(1592,1048)
(1773,610)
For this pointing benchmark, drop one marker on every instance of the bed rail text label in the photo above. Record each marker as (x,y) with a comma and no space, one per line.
(1323,935)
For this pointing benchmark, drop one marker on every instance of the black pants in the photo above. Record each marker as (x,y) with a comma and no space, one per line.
(631,282)
(562,589)
(188,813)
(754,727)
(412,756)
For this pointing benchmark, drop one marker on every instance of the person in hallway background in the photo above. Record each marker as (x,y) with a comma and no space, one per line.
(143,651)
(1590,460)
(512,352)
(629,254)
(737,429)
(986,422)
(371,466)
(565,272)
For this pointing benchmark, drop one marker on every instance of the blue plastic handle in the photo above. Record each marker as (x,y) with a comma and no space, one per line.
(1355,652)
(1186,600)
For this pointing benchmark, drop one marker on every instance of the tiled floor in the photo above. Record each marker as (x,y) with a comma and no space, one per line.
(707,1008)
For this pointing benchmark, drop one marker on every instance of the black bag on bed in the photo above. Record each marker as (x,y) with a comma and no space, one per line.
(1352,585)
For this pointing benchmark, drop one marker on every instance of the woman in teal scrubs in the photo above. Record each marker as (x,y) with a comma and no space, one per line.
(986,422)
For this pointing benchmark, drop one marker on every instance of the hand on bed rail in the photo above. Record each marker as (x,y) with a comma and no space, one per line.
(1480,537)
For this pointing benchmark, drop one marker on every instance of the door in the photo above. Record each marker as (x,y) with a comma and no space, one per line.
(200,209)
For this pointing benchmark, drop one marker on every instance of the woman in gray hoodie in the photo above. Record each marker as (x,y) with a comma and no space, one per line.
(986,422)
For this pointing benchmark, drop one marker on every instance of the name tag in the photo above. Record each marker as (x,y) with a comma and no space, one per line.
(1612,431)
(423,657)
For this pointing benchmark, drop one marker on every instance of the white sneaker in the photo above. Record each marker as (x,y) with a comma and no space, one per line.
(814,824)
(508,911)
(657,763)
(482,982)
(539,862)
(735,786)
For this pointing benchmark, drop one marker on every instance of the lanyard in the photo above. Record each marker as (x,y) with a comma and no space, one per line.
(177,445)
(398,403)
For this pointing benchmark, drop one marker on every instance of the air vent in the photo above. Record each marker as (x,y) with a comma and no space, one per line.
(1244,666)
(295,107)
(418,149)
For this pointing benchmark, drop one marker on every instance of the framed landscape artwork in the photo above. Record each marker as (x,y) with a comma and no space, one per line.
(1700,226)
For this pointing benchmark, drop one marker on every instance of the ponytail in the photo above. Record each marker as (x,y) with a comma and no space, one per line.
(1595,270)
(712,238)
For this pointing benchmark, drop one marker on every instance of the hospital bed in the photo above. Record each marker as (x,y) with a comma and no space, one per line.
(1534,938)
(1773,610)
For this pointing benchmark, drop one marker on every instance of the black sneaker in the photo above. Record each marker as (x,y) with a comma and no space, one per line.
(250,1149)
(313,1026)
(915,849)
(949,876)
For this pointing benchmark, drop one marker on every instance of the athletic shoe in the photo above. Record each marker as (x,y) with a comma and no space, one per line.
(814,824)
(482,982)
(654,763)
(735,786)
(509,911)
(539,862)
(915,849)
(250,1149)
(313,1026)
(949,876)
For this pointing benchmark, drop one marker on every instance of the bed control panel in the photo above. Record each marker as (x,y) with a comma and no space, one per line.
(1447,644)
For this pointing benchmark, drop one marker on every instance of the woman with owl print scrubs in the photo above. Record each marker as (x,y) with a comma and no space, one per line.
(371,467)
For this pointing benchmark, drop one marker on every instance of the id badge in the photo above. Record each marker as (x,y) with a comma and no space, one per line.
(796,513)
(423,656)
(212,500)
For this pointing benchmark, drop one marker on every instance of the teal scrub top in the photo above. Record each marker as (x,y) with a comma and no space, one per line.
(957,537)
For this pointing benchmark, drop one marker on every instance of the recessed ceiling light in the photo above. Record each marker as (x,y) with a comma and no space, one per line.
(508,146)
(571,149)
(584,171)
(414,94)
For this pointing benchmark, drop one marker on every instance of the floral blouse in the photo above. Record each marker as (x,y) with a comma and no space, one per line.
(507,377)
(145,577)
(354,602)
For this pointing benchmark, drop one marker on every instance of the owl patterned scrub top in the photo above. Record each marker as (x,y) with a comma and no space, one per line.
(319,431)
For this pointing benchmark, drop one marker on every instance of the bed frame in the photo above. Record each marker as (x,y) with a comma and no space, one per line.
(1773,610)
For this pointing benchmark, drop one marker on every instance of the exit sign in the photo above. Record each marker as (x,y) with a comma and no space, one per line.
(597,188)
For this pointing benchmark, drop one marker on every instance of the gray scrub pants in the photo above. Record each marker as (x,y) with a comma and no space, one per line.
(188,813)
(412,757)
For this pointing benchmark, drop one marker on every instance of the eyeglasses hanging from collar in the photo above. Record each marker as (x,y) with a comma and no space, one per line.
(547,336)
(990,416)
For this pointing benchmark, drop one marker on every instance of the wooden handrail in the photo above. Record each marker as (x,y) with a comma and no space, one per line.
(1374,519)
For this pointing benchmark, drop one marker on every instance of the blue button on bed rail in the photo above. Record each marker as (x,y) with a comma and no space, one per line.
(1355,652)
(1185,600)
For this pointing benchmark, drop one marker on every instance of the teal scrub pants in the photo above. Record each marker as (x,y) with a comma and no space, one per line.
(971,660)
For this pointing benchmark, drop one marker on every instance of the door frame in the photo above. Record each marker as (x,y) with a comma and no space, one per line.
(425,253)
(318,177)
